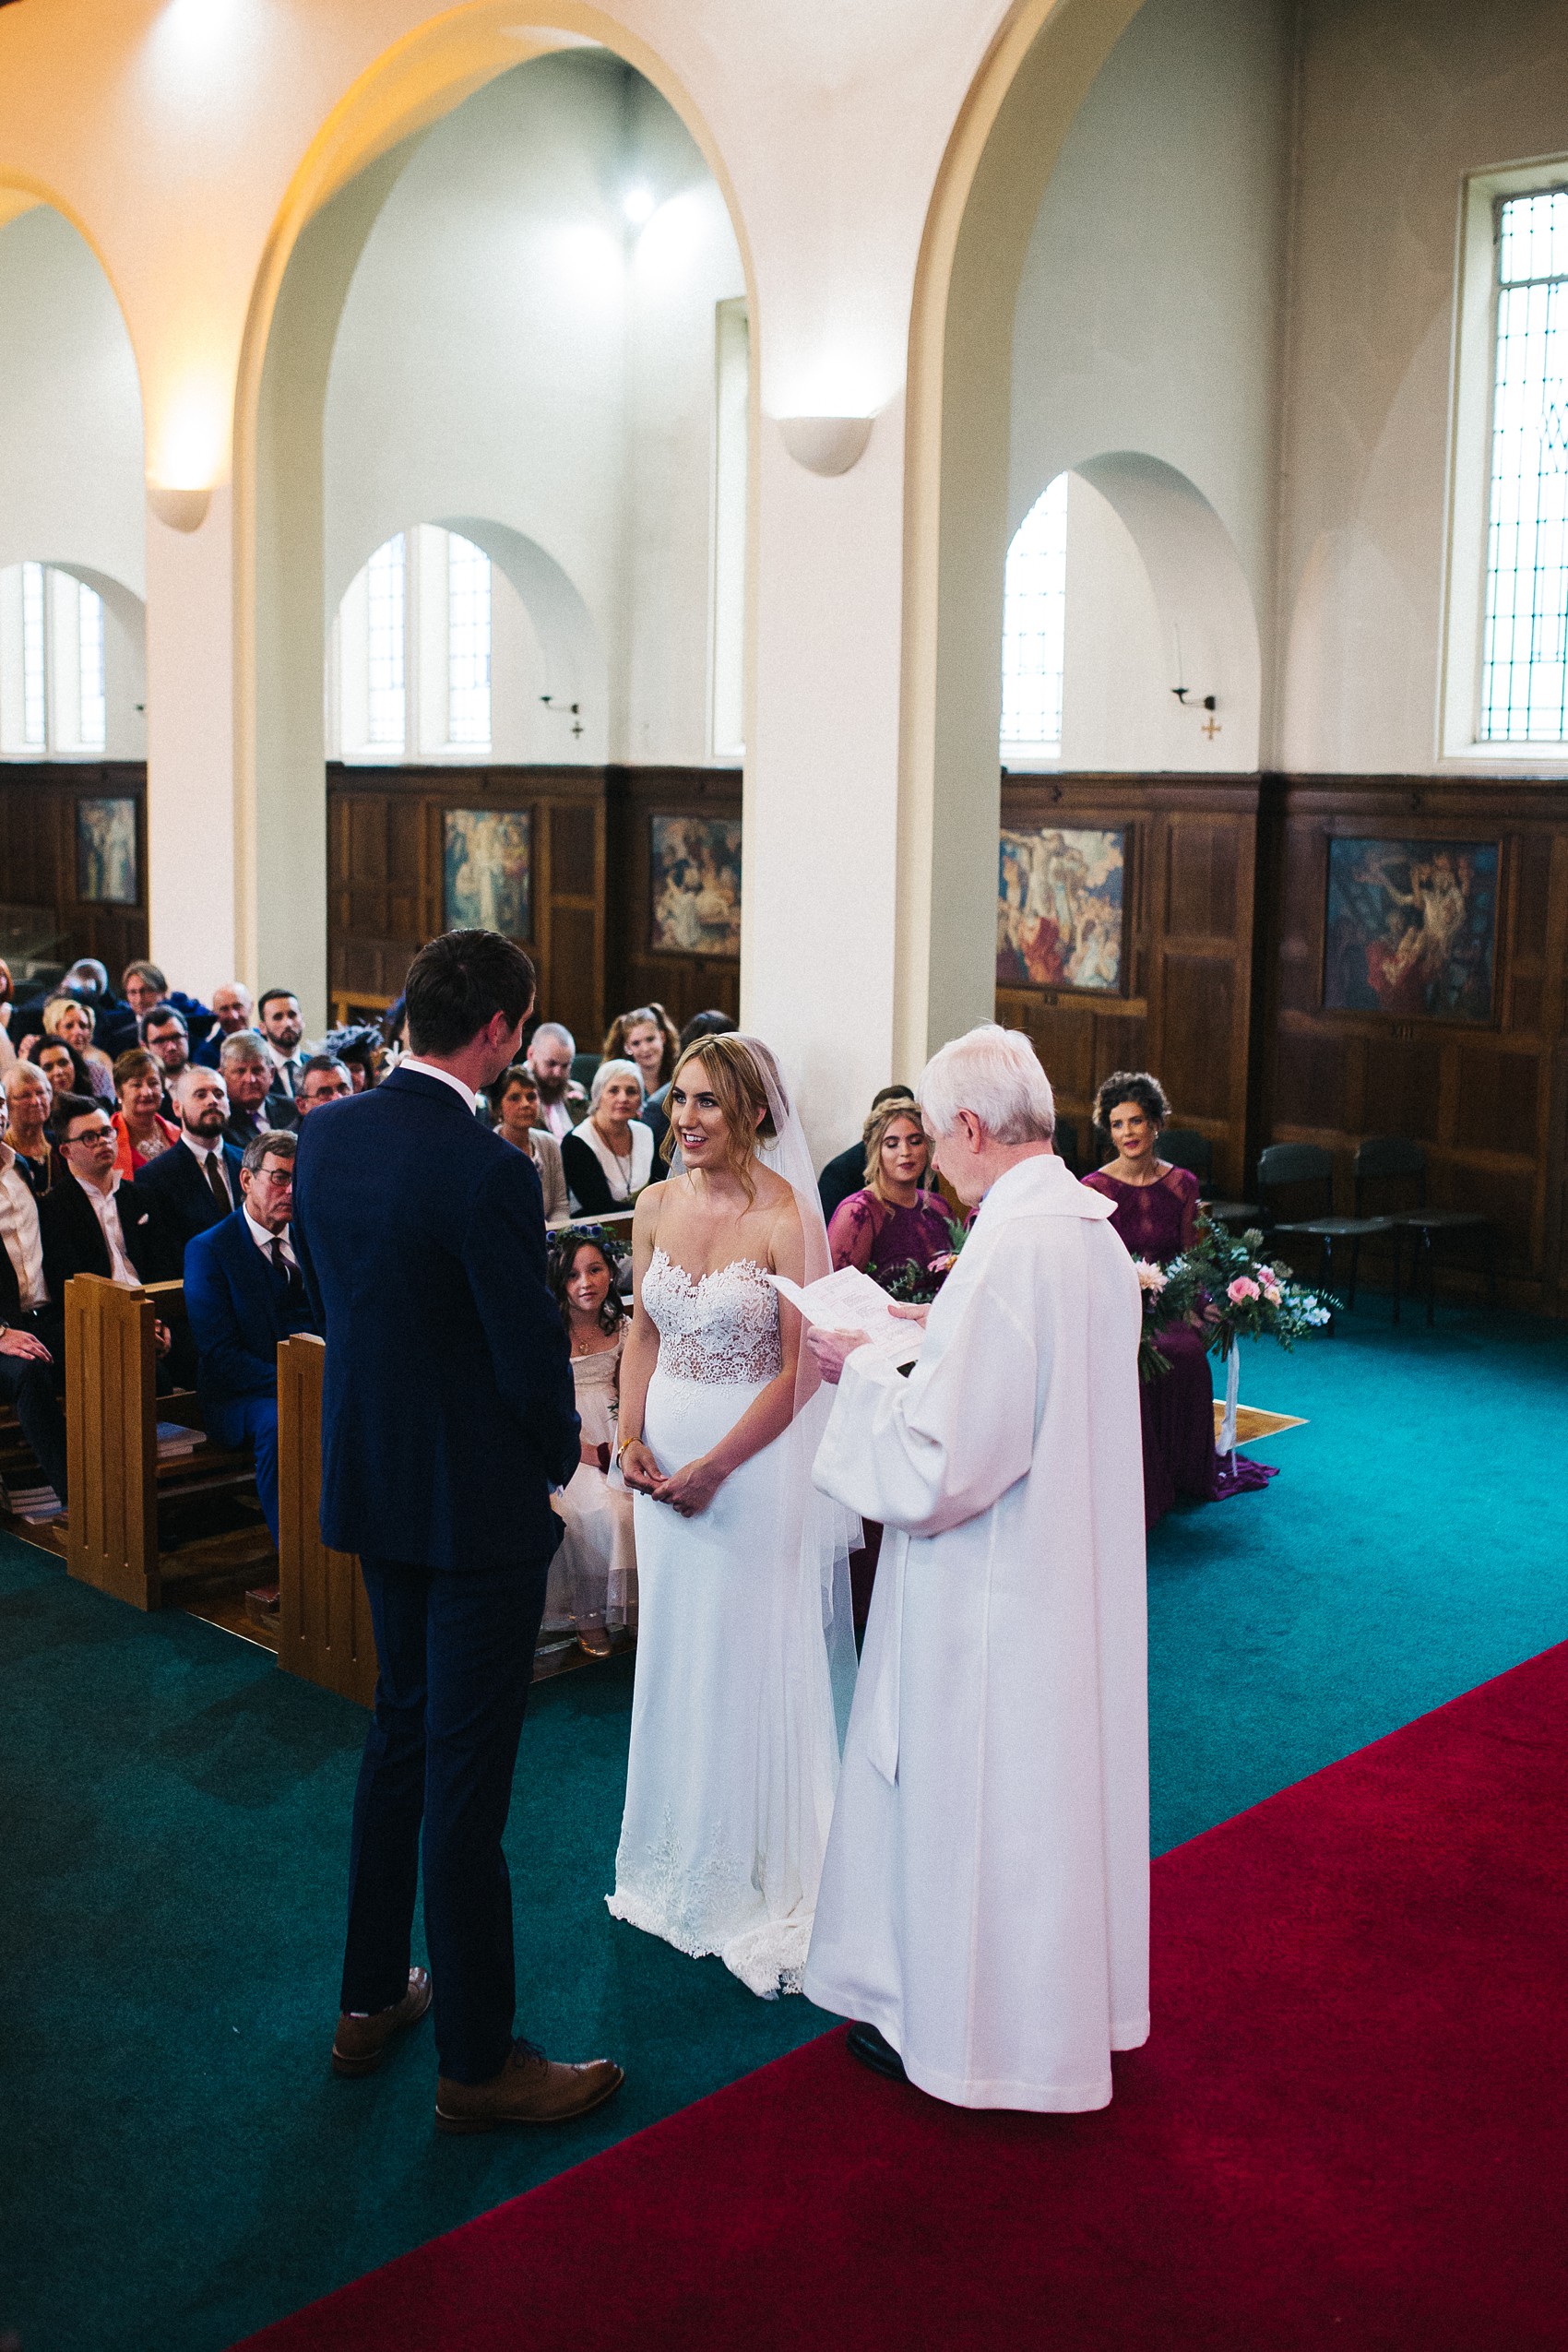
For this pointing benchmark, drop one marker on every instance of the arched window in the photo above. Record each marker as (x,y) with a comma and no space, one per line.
(54,690)
(410,664)
(1034,620)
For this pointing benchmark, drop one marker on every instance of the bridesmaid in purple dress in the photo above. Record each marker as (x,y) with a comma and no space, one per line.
(893,1220)
(1156,1214)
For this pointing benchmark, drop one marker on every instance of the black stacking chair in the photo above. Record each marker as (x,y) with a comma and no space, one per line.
(1394,1159)
(1184,1147)
(1307,1169)
(1066,1143)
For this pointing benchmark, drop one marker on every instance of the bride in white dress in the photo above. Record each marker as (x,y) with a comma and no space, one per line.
(745,1649)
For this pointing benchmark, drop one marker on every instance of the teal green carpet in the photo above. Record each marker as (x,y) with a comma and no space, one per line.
(177,2165)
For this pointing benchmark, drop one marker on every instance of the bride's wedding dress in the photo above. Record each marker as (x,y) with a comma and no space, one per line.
(734,1753)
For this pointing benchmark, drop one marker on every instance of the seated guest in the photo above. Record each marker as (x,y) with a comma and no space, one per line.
(846,1174)
(256,1098)
(163,1032)
(144,1133)
(145,986)
(515,1097)
(609,1158)
(551,1050)
(647,1038)
(363,1052)
(892,1223)
(234,1015)
(60,1065)
(29,1097)
(8,1008)
(67,1018)
(95,1223)
(593,1577)
(26,1360)
(199,1182)
(323,1078)
(1157,1216)
(283,1027)
(244,1293)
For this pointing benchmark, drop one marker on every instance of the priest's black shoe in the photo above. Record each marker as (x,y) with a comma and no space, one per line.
(874,2050)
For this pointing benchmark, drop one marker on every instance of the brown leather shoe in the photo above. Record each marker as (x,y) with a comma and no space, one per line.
(360,2043)
(528,2089)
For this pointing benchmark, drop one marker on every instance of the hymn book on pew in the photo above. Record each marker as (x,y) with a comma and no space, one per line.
(850,1300)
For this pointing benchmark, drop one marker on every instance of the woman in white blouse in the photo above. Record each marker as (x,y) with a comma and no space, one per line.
(609,1158)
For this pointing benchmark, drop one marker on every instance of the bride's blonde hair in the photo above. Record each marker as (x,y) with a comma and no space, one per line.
(739,1088)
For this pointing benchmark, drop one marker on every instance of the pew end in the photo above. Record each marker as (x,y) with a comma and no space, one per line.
(324,1629)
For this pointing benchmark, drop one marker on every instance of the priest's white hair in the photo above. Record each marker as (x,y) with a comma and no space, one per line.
(995,1074)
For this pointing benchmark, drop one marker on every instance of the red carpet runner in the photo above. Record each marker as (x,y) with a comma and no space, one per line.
(1350,2127)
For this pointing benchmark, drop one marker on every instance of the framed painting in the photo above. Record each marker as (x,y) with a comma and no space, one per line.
(106,853)
(695,885)
(1411,929)
(1059,910)
(487,871)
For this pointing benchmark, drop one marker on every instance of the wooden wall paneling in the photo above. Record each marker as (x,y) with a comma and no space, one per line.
(1486,1099)
(38,853)
(635,973)
(1187,1010)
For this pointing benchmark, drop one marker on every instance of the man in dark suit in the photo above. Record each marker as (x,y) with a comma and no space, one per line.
(255,1102)
(244,1293)
(449,1415)
(195,1182)
(95,1223)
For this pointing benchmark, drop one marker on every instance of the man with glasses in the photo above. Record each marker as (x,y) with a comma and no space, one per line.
(96,1224)
(167,1038)
(244,1294)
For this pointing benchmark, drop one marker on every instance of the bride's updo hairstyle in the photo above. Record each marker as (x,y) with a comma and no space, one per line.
(737,1085)
(994,1074)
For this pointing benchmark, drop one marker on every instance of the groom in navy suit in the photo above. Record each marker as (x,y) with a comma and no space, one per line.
(449,1415)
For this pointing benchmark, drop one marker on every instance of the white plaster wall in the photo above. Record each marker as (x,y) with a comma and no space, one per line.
(1396,106)
(512,351)
(1149,312)
(71,442)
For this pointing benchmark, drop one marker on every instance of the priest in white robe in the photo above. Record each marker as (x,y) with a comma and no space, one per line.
(983,1911)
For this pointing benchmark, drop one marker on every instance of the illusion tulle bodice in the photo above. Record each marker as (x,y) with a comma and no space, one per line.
(721,1328)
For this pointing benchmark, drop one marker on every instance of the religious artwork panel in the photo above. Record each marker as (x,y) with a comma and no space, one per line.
(106,852)
(695,885)
(487,871)
(1060,908)
(1411,928)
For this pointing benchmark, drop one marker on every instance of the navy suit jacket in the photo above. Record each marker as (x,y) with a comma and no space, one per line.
(449,1410)
(181,1200)
(238,1311)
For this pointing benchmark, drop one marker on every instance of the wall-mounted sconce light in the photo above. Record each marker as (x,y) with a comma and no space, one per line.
(826,445)
(564,710)
(183,510)
(1189,701)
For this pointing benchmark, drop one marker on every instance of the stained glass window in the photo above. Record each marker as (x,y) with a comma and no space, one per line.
(93,705)
(385,584)
(468,642)
(1034,621)
(1524,645)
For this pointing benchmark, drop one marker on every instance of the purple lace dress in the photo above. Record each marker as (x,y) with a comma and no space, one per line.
(1157,1221)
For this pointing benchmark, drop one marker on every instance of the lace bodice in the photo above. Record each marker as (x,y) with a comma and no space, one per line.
(721,1328)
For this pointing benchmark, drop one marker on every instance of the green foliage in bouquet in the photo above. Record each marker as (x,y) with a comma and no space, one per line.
(1233,1292)
(915,1284)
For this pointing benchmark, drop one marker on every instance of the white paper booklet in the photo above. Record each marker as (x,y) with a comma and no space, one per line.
(850,1300)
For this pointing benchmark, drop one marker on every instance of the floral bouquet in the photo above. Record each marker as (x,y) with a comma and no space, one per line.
(915,1284)
(1226,1287)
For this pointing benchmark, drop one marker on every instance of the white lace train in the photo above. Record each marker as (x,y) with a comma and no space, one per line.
(734,1753)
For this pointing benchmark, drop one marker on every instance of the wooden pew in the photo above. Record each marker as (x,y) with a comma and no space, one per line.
(119,1490)
(324,1629)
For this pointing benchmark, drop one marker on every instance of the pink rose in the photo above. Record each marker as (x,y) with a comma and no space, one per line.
(1274,1296)
(1242,1289)
(1266,1274)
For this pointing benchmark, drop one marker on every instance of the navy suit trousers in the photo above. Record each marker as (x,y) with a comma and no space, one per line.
(28,1387)
(253,1422)
(456,1653)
